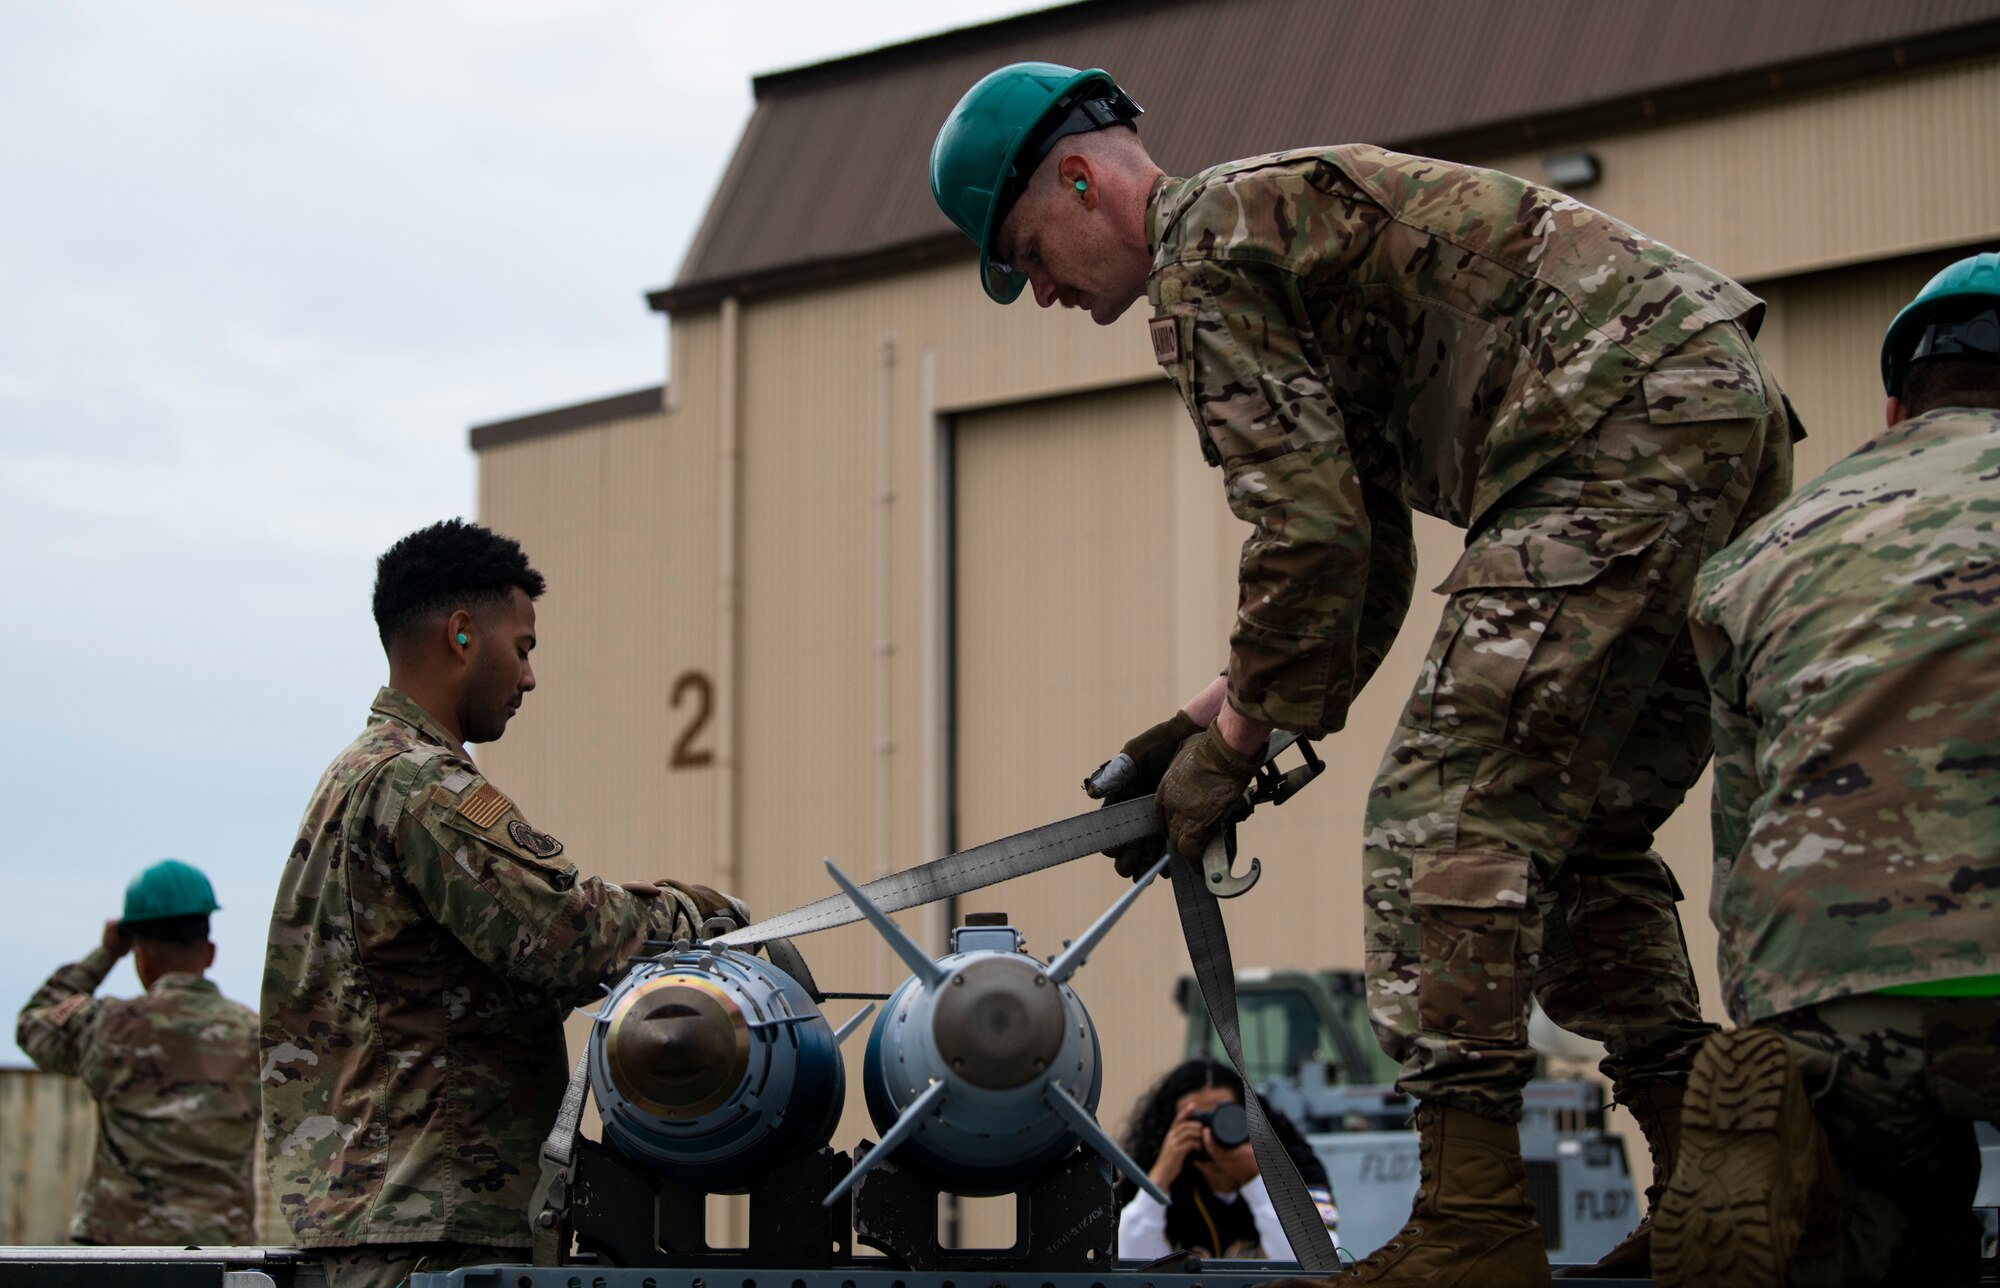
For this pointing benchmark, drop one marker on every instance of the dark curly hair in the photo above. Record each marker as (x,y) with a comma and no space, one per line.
(444,567)
(1153,1116)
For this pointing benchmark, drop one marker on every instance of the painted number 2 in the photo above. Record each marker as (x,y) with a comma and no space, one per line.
(686,754)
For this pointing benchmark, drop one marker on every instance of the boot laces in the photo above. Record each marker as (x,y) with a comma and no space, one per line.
(1412,1232)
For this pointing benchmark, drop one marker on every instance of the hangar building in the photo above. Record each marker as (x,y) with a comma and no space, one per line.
(879,570)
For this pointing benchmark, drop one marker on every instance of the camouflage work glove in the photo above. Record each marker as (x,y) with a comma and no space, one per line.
(696,904)
(1151,753)
(1201,788)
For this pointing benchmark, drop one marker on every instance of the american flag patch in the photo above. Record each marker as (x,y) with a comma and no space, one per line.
(61,1013)
(484,806)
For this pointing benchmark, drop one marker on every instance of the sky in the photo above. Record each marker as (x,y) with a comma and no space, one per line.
(261,265)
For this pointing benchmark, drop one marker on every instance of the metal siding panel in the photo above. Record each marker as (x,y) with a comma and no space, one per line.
(48,1131)
(1224,80)
(619,517)
(1851,174)
(1832,351)
(807,750)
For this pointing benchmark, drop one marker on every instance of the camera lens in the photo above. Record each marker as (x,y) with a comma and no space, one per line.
(1228,1123)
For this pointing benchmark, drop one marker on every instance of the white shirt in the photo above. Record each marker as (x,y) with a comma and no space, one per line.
(1142,1226)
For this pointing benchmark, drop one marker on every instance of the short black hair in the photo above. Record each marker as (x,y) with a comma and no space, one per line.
(447,566)
(191,929)
(1931,383)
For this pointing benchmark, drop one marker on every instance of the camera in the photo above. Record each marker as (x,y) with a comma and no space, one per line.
(1228,1123)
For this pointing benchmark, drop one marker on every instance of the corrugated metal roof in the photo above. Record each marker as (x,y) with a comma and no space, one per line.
(557,420)
(830,177)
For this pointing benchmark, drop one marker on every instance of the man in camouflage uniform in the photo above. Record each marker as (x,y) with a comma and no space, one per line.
(1852,644)
(428,941)
(1357,334)
(174,1073)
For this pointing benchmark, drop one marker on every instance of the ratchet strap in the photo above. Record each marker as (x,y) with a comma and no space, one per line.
(1043,847)
(1215,975)
(548,1232)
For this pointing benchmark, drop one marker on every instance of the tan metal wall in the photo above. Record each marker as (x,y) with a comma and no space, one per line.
(48,1127)
(1845,175)
(619,518)
(828,689)
(48,1132)
(1824,340)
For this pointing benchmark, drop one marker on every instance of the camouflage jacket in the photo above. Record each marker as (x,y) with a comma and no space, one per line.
(426,945)
(1852,646)
(175,1077)
(1358,333)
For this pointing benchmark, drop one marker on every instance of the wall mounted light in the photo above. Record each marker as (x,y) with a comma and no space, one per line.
(1571,170)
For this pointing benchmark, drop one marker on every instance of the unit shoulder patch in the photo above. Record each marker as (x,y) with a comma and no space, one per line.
(1166,333)
(539,844)
(485,806)
(65,1011)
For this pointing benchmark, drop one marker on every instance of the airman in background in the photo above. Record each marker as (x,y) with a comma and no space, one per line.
(428,942)
(1852,644)
(174,1074)
(1358,334)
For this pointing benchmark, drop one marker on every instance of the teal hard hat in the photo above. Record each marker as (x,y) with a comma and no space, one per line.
(1945,319)
(989,146)
(169,888)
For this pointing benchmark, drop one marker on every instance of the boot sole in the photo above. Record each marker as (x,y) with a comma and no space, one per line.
(1735,1207)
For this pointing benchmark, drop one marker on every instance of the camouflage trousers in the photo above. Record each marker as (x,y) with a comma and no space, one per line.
(1897,1083)
(1559,719)
(386,1265)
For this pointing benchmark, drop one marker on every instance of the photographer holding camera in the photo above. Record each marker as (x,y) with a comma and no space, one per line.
(1191,1134)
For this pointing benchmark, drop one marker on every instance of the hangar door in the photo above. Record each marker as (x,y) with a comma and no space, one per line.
(1066,603)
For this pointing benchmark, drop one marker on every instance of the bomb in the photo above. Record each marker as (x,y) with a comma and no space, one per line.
(983,1070)
(711,1067)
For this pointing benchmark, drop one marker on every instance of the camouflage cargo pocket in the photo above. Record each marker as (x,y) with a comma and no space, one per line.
(1468,910)
(1537,605)
(1705,379)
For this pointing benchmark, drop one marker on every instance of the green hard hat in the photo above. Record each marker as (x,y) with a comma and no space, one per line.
(1920,332)
(989,146)
(169,888)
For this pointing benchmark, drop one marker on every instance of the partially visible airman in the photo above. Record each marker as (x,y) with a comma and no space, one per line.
(174,1073)
(1852,644)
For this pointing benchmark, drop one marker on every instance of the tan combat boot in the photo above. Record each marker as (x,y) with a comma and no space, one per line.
(1471,1225)
(1755,1176)
(1658,1111)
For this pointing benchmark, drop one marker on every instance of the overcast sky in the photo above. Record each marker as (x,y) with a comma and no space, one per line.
(261,264)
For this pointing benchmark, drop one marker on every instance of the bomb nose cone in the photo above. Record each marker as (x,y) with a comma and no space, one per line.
(998,1022)
(680,1045)
(677,1048)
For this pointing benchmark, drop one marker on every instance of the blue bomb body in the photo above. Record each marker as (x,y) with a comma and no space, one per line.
(713,1066)
(997,1032)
